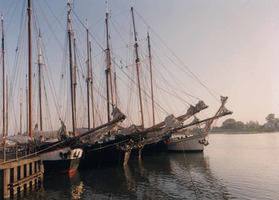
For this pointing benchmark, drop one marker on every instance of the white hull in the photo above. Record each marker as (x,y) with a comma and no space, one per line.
(191,143)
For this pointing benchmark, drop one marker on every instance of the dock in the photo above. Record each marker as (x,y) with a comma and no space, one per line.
(19,171)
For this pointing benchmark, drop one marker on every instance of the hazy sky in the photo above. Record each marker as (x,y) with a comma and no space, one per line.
(232,45)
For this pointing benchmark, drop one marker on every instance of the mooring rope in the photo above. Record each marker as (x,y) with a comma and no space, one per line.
(197,192)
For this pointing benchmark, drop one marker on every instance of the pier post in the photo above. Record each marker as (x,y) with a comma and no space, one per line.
(15,180)
(7,181)
(27,174)
(4,151)
(33,172)
(21,187)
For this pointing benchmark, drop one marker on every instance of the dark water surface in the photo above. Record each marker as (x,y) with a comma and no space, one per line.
(243,166)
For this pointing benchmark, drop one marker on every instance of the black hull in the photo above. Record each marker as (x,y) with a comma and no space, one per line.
(104,155)
(150,149)
(100,159)
(57,165)
(61,166)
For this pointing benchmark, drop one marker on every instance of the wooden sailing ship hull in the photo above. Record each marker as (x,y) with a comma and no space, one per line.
(106,154)
(154,148)
(187,144)
(60,159)
(61,166)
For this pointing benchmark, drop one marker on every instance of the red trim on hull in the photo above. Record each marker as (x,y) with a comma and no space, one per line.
(67,171)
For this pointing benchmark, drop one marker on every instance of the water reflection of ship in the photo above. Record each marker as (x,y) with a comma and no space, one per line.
(198,166)
(168,176)
(71,187)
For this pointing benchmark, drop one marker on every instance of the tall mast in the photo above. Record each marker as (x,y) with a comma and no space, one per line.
(107,71)
(40,79)
(138,66)
(88,74)
(3,62)
(92,88)
(75,79)
(30,69)
(108,55)
(115,85)
(27,103)
(20,116)
(71,64)
(7,107)
(151,79)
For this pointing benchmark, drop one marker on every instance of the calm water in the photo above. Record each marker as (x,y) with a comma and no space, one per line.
(231,167)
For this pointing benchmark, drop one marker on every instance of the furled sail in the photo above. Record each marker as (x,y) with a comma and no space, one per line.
(102,134)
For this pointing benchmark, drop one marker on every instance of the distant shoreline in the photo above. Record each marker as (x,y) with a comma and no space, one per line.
(235,131)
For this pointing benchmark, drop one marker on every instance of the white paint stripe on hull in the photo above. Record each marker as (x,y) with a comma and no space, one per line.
(67,154)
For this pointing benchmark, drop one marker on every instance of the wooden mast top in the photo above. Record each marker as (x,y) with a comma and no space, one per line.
(138,65)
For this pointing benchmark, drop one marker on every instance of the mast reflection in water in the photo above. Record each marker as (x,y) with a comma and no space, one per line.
(158,177)
(231,167)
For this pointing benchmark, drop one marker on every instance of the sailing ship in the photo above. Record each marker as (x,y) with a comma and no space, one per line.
(184,140)
(61,151)
(152,141)
(135,140)
(109,143)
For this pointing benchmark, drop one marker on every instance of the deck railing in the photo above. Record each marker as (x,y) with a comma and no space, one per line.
(16,152)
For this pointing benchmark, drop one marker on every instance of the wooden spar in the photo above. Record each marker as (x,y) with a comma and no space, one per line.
(27,103)
(69,139)
(30,69)
(188,125)
(40,80)
(108,109)
(75,80)
(71,65)
(138,65)
(202,121)
(7,107)
(121,118)
(181,117)
(217,113)
(3,63)
(20,117)
(92,87)
(88,75)
(115,83)
(151,79)
(108,70)
(108,56)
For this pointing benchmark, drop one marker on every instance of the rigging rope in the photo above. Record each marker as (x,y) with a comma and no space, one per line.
(208,89)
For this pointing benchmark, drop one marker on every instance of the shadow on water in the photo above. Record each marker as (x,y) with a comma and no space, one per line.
(154,177)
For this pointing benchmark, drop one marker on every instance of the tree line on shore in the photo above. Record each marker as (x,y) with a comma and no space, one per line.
(272,124)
